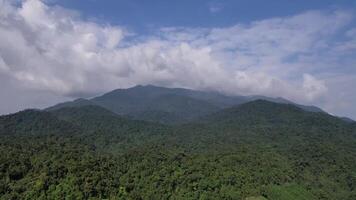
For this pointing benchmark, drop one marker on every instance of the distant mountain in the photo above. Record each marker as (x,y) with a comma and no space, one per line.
(152,103)
(285,101)
(155,104)
(76,103)
(168,105)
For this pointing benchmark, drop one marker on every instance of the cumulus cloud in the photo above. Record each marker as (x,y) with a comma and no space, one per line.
(52,49)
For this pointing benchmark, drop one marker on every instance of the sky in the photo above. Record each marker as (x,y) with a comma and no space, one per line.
(59,50)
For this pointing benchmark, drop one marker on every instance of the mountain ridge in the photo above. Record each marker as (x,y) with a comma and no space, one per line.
(168,105)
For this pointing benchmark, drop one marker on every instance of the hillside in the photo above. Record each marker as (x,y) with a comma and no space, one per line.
(76,103)
(149,103)
(256,150)
(109,131)
(263,112)
(34,122)
(168,105)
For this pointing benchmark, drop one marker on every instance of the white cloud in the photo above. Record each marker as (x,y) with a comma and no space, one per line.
(51,49)
(314,87)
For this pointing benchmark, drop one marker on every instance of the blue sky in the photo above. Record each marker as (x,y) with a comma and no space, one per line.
(140,15)
(58,50)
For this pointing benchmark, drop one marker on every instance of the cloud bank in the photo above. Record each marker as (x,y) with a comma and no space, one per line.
(52,50)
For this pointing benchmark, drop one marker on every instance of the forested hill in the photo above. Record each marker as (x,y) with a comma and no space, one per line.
(256,150)
(263,112)
(34,122)
(168,105)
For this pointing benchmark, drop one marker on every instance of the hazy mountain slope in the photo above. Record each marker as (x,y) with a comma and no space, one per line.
(149,103)
(265,112)
(152,92)
(174,108)
(212,97)
(78,114)
(284,101)
(168,105)
(150,98)
(76,103)
(94,118)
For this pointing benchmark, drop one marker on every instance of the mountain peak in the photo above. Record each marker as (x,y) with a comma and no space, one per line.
(145,86)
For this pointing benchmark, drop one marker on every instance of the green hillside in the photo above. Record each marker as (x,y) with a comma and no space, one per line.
(258,150)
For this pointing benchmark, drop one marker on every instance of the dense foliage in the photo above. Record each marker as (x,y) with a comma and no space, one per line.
(256,151)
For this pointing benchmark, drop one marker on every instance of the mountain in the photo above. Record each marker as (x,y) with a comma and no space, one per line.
(262,121)
(263,112)
(168,105)
(108,131)
(285,101)
(145,102)
(149,103)
(95,118)
(76,103)
(254,150)
(34,122)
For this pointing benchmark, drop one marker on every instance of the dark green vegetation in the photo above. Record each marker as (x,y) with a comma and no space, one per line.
(256,151)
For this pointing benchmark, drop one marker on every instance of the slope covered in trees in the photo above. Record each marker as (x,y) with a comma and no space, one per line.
(258,150)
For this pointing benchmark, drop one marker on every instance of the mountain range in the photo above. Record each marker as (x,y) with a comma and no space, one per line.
(150,142)
(168,105)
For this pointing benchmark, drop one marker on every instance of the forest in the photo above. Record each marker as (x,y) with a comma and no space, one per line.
(253,151)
